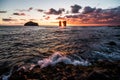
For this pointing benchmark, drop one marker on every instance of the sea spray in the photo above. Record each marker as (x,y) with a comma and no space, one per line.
(58,57)
(55,58)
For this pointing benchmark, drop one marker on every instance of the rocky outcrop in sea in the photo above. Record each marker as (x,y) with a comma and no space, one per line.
(30,23)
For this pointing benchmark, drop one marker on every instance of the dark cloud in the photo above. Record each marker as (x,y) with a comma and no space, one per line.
(22,14)
(40,10)
(19,14)
(110,15)
(96,15)
(72,16)
(88,9)
(98,10)
(8,19)
(55,12)
(75,8)
(15,13)
(3,11)
(47,18)
(60,18)
(31,8)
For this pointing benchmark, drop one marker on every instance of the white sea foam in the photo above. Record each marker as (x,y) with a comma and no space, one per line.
(57,57)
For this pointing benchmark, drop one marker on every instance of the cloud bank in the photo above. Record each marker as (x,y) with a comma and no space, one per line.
(76,15)
(55,12)
(19,14)
(8,19)
(91,15)
(3,11)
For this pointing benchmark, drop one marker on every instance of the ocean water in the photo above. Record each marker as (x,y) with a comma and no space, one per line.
(43,45)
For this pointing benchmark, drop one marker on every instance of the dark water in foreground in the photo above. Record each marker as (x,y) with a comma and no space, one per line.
(75,45)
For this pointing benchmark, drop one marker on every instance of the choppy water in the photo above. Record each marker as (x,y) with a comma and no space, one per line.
(76,45)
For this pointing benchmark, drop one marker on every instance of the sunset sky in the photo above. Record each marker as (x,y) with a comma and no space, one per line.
(49,12)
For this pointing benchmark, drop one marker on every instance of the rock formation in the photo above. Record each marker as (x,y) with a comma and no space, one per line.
(30,23)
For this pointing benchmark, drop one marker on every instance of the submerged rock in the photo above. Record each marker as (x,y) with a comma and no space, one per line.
(30,23)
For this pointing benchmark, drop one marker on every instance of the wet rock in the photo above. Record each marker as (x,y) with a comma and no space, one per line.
(97,76)
(4,70)
(102,70)
(4,67)
(18,75)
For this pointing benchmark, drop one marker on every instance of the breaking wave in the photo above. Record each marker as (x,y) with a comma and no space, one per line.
(52,61)
(58,57)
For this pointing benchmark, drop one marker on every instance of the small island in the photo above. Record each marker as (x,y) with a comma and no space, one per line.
(30,23)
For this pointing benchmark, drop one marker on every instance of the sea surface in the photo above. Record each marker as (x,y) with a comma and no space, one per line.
(43,45)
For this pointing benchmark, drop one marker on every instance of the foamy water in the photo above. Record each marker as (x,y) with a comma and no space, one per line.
(57,57)
(45,46)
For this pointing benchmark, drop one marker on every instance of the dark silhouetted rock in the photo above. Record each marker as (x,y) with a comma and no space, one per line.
(30,23)
(97,76)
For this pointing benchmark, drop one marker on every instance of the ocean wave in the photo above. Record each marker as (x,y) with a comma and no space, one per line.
(58,57)
(111,57)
